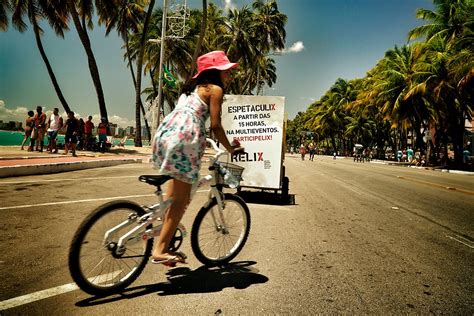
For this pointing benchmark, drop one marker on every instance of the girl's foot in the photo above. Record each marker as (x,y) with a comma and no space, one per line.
(169,259)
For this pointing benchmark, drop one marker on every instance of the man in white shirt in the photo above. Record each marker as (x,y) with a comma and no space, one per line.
(55,123)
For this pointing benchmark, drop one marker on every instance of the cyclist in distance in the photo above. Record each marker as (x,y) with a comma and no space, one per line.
(179,143)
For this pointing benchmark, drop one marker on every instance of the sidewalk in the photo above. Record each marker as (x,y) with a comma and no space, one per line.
(16,162)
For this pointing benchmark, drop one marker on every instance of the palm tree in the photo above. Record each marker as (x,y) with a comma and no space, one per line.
(125,17)
(202,33)
(269,24)
(401,87)
(35,10)
(449,38)
(360,129)
(447,21)
(81,11)
(141,52)
(5,7)
(239,36)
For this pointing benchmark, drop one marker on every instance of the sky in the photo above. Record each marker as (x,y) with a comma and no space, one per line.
(325,40)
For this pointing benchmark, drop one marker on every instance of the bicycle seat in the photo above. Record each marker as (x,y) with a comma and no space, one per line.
(155,180)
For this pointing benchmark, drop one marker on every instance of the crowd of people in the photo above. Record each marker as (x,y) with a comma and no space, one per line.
(78,135)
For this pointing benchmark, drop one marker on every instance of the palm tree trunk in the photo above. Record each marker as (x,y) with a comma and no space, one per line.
(197,51)
(138,135)
(46,60)
(130,64)
(94,71)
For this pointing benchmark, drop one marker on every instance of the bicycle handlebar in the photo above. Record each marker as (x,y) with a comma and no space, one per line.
(219,151)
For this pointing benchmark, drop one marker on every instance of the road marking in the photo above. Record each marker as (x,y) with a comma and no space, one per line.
(76,201)
(462,240)
(63,180)
(41,295)
(440,186)
(84,201)
(36,296)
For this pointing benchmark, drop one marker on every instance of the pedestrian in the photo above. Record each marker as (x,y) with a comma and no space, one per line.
(466,155)
(179,143)
(88,127)
(55,123)
(70,138)
(410,154)
(29,122)
(38,130)
(80,134)
(102,132)
(302,151)
(399,155)
(311,151)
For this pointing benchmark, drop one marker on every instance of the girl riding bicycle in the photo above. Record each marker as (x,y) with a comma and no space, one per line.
(179,143)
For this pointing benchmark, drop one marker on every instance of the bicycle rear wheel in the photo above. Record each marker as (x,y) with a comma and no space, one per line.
(214,241)
(95,264)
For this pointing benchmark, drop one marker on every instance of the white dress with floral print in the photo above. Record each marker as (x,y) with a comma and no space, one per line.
(180,141)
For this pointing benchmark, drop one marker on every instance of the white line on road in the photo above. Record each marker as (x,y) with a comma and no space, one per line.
(33,297)
(76,201)
(462,240)
(41,295)
(63,180)
(83,201)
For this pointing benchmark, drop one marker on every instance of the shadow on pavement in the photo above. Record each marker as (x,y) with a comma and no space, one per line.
(183,280)
(265,197)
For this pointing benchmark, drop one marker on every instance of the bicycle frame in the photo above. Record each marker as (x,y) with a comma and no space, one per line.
(156,212)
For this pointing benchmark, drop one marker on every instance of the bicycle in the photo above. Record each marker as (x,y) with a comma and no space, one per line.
(113,244)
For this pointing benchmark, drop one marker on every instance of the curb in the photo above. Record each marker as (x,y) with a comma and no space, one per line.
(26,170)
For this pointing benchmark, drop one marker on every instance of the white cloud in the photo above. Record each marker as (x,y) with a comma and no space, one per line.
(295,48)
(20,113)
(120,121)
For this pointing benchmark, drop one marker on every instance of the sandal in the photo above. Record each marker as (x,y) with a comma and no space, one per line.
(171,260)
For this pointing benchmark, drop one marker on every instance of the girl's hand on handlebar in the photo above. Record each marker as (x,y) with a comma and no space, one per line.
(237,150)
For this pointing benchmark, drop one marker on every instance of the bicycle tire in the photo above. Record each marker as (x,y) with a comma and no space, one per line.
(133,259)
(203,225)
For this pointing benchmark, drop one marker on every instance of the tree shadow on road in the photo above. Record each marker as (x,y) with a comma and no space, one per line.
(182,280)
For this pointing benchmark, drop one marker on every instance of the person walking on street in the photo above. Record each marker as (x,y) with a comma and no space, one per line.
(302,151)
(55,123)
(70,139)
(312,151)
(410,154)
(102,132)
(88,127)
(38,130)
(28,128)
(80,134)
(179,143)
(399,155)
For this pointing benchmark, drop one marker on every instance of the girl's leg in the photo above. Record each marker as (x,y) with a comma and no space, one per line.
(180,192)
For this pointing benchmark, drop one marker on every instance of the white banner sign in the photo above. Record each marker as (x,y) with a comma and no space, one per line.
(257,123)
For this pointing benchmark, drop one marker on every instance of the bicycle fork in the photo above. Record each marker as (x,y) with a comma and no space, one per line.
(220,225)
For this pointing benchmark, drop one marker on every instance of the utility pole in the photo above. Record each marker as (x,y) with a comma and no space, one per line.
(156,118)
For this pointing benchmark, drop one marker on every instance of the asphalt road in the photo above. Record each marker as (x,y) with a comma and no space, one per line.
(360,239)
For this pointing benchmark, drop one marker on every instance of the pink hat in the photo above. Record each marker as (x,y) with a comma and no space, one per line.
(213,60)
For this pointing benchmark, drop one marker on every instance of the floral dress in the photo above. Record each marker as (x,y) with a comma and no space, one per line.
(180,141)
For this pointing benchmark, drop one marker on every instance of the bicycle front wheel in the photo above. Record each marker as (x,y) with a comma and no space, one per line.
(217,238)
(95,263)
